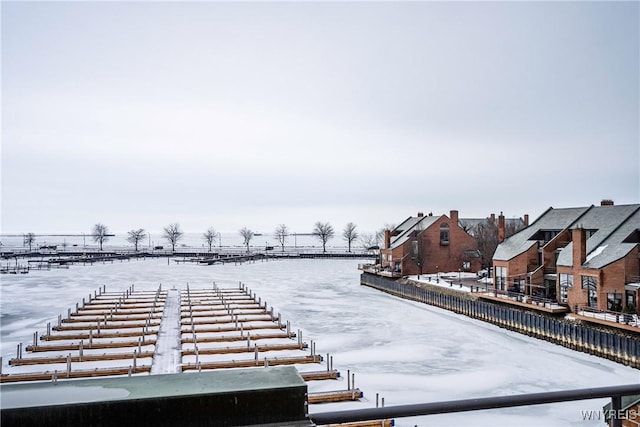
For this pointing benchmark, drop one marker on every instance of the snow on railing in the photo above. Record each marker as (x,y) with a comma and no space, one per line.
(630,319)
(524,298)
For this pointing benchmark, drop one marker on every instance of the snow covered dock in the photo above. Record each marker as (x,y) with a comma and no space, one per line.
(167,332)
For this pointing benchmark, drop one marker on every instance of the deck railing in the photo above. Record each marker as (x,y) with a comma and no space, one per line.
(522,297)
(610,316)
(615,414)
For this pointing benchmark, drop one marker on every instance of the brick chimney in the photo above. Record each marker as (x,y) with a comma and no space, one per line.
(453,214)
(579,239)
(420,214)
(606,202)
(492,218)
(387,239)
(501,230)
(526,220)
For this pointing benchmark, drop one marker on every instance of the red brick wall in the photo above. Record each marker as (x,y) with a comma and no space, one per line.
(517,266)
(612,281)
(575,295)
(443,258)
(549,251)
(632,266)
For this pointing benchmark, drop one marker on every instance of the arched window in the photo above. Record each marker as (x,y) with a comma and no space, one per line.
(444,234)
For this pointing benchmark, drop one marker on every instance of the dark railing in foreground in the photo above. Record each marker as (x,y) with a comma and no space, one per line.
(613,392)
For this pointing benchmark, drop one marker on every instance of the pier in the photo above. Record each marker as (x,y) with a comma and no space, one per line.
(171,331)
(22,261)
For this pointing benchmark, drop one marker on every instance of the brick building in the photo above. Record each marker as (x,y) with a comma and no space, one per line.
(429,244)
(488,232)
(579,257)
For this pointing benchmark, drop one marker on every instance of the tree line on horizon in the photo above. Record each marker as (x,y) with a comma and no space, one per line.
(323,231)
(485,235)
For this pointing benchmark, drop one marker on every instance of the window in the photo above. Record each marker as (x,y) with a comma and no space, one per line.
(414,250)
(501,278)
(544,236)
(444,234)
(631,299)
(614,302)
(590,283)
(566,282)
(549,290)
(517,286)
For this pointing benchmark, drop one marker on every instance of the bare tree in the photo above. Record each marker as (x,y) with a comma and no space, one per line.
(369,241)
(486,235)
(209,236)
(466,226)
(418,248)
(135,236)
(29,238)
(512,227)
(173,234)
(281,234)
(247,235)
(323,232)
(100,234)
(350,234)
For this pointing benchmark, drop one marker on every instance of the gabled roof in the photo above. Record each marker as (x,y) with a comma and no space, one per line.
(614,224)
(403,231)
(551,220)
(611,225)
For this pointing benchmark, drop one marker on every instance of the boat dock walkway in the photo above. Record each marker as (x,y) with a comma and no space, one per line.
(171,331)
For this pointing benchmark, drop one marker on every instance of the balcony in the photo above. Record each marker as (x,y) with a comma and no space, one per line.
(377,270)
(616,319)
(525,301)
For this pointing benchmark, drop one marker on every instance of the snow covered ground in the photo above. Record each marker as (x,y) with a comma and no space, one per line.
(405,351)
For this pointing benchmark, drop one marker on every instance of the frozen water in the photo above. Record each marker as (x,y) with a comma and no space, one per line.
(405,351)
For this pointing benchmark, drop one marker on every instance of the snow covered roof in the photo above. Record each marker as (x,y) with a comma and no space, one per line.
(609,226)
(551,220)
(405,229)
(614,224)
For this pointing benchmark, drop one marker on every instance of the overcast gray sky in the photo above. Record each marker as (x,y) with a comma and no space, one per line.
(231,115)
